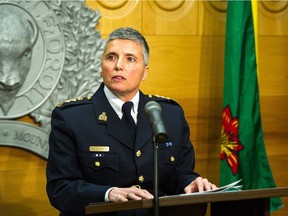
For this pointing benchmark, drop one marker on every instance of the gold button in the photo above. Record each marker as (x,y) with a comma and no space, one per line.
(138,153)
(141,178)
(172,159)
(97,164)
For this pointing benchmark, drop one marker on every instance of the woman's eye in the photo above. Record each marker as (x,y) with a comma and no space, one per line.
(131,59)
(110,58)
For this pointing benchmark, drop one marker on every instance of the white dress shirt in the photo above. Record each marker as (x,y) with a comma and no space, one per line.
(117,103)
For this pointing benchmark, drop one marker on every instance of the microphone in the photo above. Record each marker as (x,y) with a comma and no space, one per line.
(153,111)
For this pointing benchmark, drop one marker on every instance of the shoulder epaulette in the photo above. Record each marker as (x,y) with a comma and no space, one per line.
(159,98)
(74,101)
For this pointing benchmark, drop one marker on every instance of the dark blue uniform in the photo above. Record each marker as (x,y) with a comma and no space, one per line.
(91,151)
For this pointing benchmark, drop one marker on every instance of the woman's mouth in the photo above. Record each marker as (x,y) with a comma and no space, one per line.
(118,77)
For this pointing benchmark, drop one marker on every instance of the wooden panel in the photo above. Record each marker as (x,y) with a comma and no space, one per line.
(116,14)
(22,184)
(212,17)
(274,121)
(273,66)
(170,17)
(176,62)
(173,67)
(273,17)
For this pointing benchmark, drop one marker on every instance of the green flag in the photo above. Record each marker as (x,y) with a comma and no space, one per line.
(243,154)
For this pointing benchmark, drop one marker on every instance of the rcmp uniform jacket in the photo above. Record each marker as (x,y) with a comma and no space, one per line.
(91,151)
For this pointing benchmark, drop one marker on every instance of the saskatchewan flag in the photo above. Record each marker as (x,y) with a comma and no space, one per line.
(243,154)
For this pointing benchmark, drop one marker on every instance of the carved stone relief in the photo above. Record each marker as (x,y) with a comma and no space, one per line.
(49,51)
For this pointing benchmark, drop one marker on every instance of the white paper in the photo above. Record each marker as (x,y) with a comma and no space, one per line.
(231,186)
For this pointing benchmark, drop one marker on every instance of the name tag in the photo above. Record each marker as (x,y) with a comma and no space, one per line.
(99,149)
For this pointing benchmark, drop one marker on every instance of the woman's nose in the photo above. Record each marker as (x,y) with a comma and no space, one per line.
(119,64)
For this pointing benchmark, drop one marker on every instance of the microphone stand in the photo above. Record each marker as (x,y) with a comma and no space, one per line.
(156,180)
(153,111)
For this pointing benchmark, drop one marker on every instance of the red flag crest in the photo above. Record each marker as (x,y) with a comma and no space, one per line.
(230,146)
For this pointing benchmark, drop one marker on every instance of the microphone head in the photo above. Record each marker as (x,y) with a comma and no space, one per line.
(153,111)
(151,105)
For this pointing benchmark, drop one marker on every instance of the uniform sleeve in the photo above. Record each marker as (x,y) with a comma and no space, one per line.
(184,172)
(66,188)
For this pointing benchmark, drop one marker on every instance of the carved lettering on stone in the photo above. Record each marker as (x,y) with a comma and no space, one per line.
(50,51)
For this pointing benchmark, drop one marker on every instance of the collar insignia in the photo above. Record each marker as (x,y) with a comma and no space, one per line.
(103,117)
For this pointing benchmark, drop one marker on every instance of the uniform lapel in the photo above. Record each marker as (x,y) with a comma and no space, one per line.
(144,132)
(108,117)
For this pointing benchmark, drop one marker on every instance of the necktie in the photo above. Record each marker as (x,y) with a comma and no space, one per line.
(128,120)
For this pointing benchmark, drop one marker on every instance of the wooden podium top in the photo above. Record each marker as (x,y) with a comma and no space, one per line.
(186,199)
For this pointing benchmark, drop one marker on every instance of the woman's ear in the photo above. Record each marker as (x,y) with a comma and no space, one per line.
(145,74)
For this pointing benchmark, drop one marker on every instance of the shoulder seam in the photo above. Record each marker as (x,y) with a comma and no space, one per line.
(70,101)
(162,98)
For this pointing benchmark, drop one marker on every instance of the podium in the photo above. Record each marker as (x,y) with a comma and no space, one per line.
(247,202)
